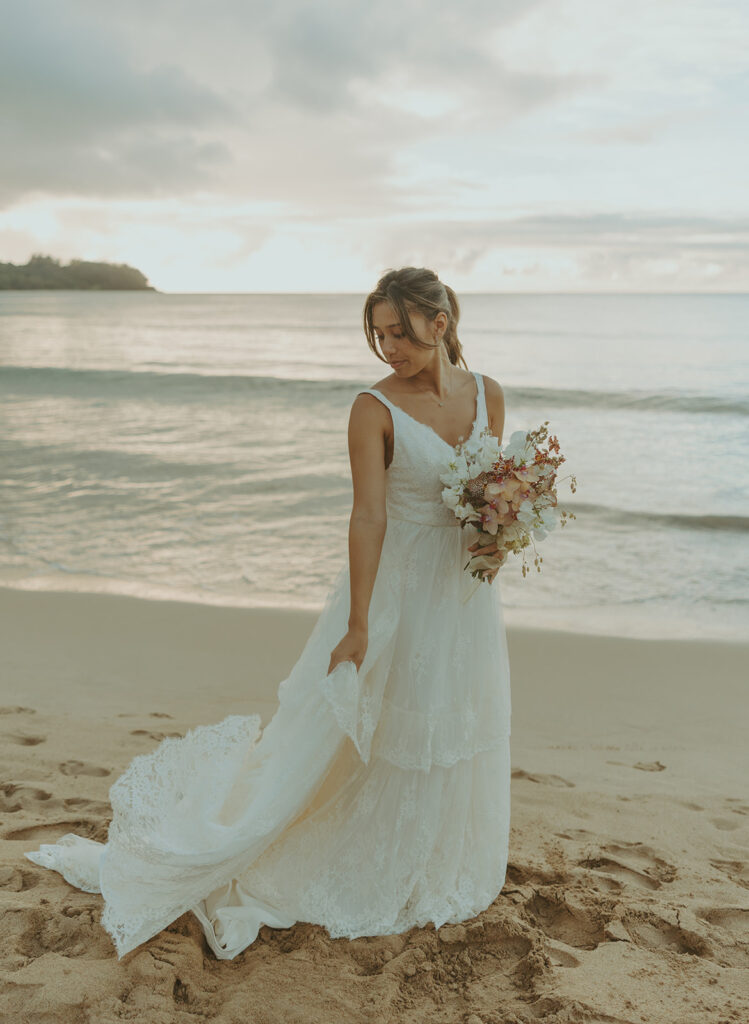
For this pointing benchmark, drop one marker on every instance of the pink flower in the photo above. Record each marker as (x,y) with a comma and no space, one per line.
(509,488)
(527,474)
(491,520)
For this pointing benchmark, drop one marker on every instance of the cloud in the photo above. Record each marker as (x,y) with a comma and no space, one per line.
(677,251)
(78,118)
(312,105)
(385,133)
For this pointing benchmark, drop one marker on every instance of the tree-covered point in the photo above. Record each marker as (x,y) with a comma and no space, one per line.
(47,272)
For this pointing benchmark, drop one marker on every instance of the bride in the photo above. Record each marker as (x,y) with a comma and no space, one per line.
(377,798)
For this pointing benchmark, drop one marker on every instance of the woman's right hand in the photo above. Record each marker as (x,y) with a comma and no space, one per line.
(352,647)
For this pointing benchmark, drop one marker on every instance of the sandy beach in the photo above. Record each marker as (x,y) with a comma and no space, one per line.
(627,897)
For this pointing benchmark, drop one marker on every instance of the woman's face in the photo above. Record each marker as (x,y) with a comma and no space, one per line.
(404,357)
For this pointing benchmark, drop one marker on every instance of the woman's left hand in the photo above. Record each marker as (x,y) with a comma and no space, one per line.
(487,549)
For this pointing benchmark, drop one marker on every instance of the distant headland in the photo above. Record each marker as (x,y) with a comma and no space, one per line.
(48,273)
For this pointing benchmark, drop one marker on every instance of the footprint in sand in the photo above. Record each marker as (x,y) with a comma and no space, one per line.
(17,880)
(80,803)
(24,741)
(19,797)
(608,867)
(525,875)
(609,877)
(577,834)
(51,831)
(152,714)
(544,780)
(733,919)
(643,766)
(737,806)
(80,768)
(564,921)
(635,863)
(560,954)
(653,932)
(73,932)
(158,736)
(17,710)
(726,824)
(736,870)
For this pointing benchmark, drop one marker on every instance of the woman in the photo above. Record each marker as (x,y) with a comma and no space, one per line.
(377,798)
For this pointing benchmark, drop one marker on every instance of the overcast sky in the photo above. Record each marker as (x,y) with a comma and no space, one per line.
(236,146)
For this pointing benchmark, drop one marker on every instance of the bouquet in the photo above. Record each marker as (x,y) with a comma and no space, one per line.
(508,494)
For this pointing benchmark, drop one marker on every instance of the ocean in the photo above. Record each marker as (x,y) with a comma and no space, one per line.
(194,447)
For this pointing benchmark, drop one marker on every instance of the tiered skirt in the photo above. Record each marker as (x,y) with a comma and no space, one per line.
(372,801)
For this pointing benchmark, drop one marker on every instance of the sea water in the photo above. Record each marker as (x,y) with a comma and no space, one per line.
(194,447)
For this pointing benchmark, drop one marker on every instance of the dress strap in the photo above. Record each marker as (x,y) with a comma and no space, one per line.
(378,394)
(482,413)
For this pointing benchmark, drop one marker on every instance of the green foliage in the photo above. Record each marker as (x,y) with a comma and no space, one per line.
(46,272)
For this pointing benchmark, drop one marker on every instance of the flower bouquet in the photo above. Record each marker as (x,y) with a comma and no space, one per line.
(508,494)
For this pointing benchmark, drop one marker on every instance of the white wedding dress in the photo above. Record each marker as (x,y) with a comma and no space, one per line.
(373,800)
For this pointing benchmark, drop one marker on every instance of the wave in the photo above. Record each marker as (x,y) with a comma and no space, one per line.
(90,383)
(170,386)
(636,401)
(643,518)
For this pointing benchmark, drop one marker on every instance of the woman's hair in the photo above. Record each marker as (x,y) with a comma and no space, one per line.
(416,289)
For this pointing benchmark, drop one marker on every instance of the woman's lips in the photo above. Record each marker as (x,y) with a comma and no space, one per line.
(398,363)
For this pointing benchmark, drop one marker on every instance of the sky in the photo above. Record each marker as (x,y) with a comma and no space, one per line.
(545,145)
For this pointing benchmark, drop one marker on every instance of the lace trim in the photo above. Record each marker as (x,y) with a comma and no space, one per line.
(148,801)
(75,857)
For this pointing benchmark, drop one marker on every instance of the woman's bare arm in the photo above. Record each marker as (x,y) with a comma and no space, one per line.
(366,442)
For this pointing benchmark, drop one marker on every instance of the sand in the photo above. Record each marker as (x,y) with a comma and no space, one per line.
(627,898)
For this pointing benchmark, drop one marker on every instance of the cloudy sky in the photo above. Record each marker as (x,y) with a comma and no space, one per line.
(237,146)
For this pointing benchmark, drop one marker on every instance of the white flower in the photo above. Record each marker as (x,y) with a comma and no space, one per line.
(459,466)
(517,447)
(488,455)
(450,496)
(549,517)
(527,513)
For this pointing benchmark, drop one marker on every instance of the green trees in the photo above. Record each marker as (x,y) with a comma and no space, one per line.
(46,272)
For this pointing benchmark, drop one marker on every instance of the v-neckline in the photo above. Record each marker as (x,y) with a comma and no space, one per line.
(428,426)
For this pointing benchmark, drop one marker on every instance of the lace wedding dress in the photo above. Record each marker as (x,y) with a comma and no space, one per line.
(373,800)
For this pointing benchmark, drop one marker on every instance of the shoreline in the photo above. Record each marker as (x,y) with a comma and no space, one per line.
(611,623)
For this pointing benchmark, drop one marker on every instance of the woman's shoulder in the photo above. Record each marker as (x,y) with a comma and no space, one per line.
(492,387)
